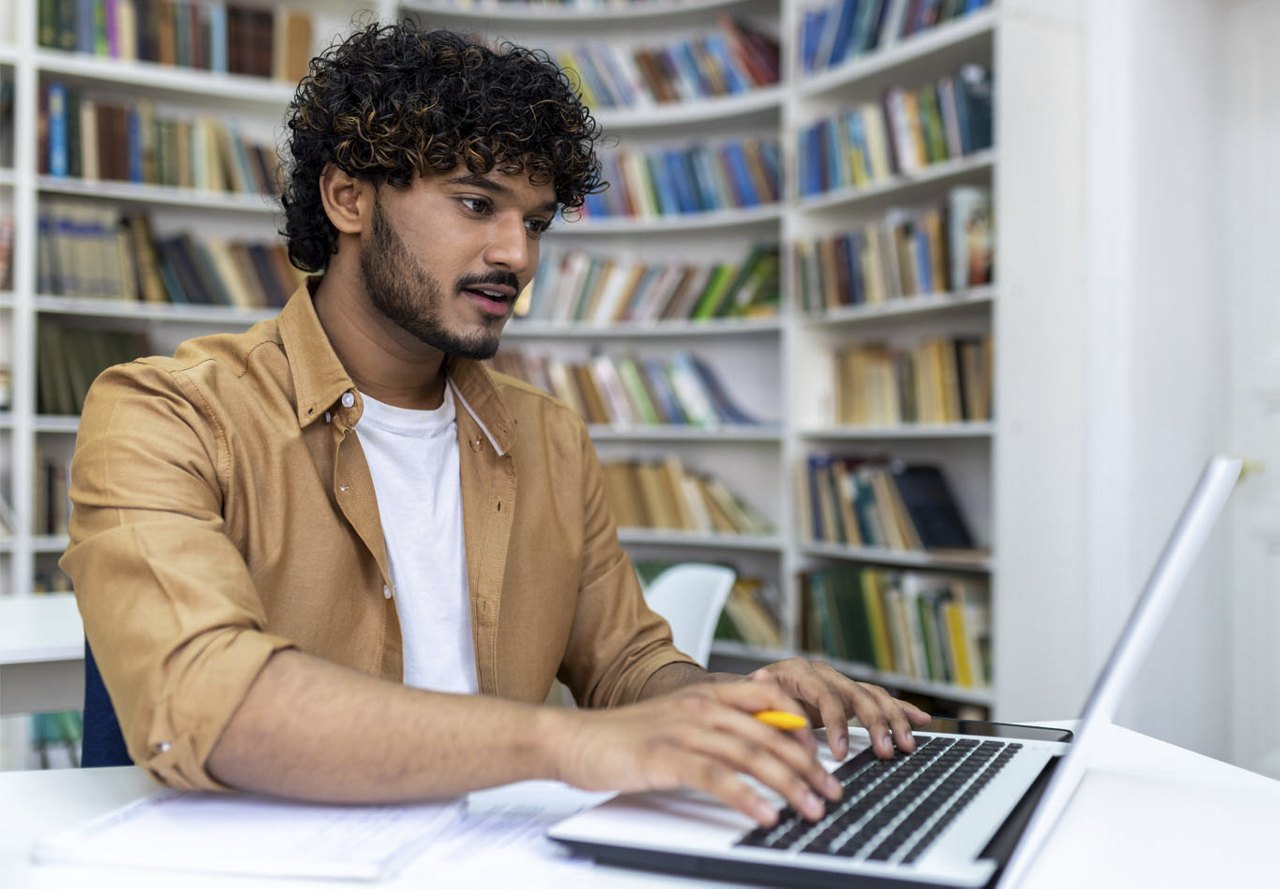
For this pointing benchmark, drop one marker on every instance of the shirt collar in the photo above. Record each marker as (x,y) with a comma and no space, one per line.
(319,378)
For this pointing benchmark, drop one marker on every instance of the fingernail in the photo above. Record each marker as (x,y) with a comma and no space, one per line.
(765,813)
(814,806)
(832,787)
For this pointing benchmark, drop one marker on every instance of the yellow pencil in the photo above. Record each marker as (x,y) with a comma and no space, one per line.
(788,722)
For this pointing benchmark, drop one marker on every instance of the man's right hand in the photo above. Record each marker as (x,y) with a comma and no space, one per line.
(704,737)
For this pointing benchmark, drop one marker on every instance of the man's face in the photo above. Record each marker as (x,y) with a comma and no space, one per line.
(446,257)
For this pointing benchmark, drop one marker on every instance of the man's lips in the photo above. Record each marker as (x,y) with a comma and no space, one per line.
(492,298)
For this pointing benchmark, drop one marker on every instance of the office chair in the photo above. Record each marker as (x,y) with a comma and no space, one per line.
(690,596)
(103,743)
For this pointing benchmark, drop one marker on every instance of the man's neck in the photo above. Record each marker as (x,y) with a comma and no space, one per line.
(385,361)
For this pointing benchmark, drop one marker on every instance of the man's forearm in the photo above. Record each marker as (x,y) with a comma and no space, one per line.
(673,677)
(310,729)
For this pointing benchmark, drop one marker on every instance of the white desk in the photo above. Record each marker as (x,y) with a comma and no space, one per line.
(1147,814)
(41,654)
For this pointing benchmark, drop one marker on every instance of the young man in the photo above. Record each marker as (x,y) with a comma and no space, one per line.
(335,558)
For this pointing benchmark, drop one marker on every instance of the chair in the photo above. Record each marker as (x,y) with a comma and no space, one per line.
(103,743)
(690,596)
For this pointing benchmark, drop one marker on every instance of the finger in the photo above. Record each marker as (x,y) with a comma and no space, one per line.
(772,757)
(885,721)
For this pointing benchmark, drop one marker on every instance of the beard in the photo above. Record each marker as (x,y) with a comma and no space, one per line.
(408,295)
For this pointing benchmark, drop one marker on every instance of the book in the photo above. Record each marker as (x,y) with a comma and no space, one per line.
(933,512)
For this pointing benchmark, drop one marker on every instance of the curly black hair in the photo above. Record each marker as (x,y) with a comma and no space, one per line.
(391,101)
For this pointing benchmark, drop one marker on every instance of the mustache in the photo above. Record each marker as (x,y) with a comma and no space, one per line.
(503,279)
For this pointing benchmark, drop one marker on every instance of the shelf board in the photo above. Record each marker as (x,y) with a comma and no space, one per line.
(168,79)
(160,194)
(565,14)
(57,424)
(222,316)
(902,307)
(627,225)
(50,544)
(9,53)
(697,540)
(968,168)
(7,299)
(978,563)
(671,114)
(983,697)
(520,328)
(7,544)
(6,419)
(8,177)
(983,429)
(859,671)
(767,433)
(969,31)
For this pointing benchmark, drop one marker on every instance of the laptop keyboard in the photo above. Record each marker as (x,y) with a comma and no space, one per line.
(893,810)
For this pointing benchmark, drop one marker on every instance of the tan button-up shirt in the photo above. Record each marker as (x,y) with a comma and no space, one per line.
(223,510)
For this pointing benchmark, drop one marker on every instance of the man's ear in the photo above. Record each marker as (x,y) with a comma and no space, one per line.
(348,201)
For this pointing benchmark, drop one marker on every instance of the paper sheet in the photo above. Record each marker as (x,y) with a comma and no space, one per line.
(251,835)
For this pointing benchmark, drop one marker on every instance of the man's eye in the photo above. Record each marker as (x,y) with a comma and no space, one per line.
(476,205)
(537,226)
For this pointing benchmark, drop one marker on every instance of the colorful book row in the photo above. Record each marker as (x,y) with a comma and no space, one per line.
(693,179)
(207,35)
(836,31)
(734,60)
(664,495)
(905,132)
(83,138)
(918,625)
(939,380)
(623,391)
(575,285)
(876,502)
(907,253)
(87,249)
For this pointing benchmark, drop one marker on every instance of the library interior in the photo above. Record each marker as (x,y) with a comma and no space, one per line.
(918,318)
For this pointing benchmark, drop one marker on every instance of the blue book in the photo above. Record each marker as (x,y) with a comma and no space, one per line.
(770,152)
(216,11)
(668,202)
(664,397)
(84,26)
(735,81)
(973,103)
(736,159)
(841,44)
(56,103)
(723,403)
(133,146)
(811,30)
(681,185)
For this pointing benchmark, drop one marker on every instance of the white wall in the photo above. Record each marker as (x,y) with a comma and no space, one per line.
(1115,247)
(1250,273)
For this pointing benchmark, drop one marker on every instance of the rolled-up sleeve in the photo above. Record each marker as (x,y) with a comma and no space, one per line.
(169,606)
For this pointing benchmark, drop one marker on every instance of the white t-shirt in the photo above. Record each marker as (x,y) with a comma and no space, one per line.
(413,457)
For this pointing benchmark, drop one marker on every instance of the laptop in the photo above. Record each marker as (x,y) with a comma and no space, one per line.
(971,806)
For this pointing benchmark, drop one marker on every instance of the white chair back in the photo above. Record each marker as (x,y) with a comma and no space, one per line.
(690,596)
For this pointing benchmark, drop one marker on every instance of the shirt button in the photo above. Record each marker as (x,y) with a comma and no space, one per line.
(348,399)
(386,592)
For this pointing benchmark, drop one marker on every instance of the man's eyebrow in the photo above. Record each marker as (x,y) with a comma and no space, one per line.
(484,183)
